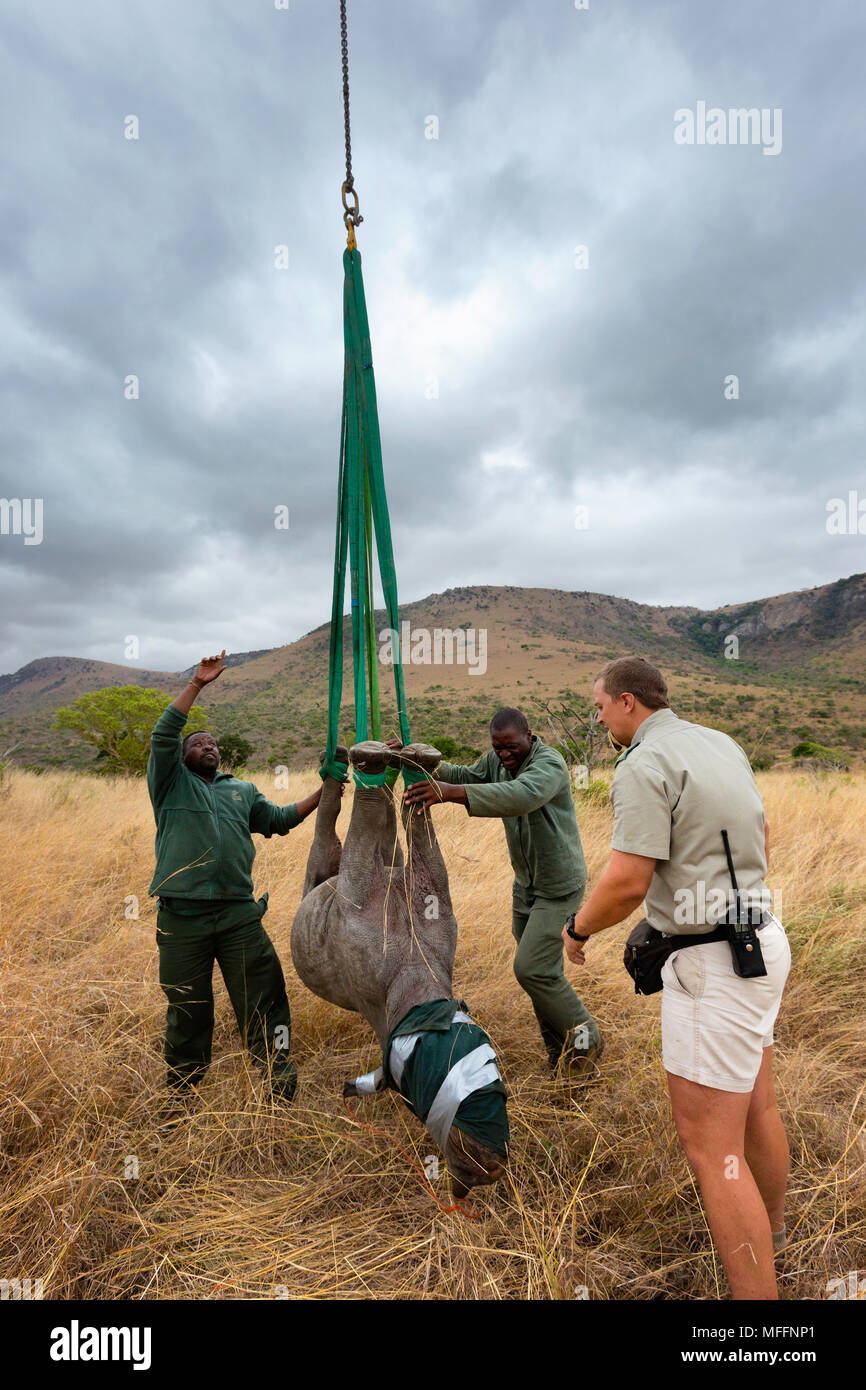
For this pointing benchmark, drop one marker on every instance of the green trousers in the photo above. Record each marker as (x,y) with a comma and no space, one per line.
(537,924)
(230,933)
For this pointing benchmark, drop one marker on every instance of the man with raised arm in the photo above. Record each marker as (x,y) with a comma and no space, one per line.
(205,820)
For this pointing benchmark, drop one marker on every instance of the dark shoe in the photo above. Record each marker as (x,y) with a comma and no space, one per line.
(176,1105)
(553,1043)
(577,1063)
(284,1086)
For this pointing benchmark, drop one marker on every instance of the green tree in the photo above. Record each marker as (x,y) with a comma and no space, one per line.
(451,750)
(814,752)
(235,751)
(760,762)
(119,721)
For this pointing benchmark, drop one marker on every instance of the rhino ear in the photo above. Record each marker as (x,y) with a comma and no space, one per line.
(370,1085)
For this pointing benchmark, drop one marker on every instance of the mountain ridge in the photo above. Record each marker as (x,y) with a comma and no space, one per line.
(537,643)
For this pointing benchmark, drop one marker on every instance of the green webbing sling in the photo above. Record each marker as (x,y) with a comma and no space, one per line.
(362,511)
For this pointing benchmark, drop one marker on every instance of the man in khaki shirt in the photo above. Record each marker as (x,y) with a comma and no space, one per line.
(676,787)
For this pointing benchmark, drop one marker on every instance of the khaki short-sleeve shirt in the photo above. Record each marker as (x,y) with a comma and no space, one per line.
(675,788)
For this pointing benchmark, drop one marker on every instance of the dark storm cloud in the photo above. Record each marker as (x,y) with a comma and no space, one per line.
(513,386)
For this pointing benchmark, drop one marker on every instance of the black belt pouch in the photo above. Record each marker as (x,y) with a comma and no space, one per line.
(646,951)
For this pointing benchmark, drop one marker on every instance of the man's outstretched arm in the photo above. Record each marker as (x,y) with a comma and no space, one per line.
(526,792)
(455,773)
(208,669)
(267,818)
(621,888)
(164,759)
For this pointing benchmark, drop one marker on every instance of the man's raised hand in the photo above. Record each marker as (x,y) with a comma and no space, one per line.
(209,668)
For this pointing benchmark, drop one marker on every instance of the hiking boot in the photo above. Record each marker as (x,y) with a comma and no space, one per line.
(553,1042)
(577,1062)
(176,1105)
(284,1085)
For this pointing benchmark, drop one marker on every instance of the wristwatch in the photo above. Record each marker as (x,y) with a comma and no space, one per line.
(569,928)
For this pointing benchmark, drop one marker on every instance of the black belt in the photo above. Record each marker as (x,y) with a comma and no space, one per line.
(720,933)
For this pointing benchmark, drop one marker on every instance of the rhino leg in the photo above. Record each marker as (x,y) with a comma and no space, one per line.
(323,861)
(372,852)
(427,874)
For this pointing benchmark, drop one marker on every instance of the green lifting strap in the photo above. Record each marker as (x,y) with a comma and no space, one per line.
(362,513)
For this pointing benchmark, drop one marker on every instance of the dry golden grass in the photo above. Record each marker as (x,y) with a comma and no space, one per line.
(247,1198)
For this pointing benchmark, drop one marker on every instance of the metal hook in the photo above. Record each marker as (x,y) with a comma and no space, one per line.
(351,214)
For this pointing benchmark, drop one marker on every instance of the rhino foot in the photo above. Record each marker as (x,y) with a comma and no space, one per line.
(369,756)
(421,757)
(340,754)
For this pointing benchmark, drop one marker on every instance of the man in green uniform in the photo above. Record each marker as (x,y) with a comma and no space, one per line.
(204,856)
(527,783)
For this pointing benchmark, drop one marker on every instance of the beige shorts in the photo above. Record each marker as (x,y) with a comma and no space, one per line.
(716,1025)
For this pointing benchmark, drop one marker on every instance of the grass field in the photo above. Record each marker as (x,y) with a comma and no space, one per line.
(247,1200)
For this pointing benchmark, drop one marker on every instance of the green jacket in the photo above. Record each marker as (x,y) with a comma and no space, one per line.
(204,848)
(537,810)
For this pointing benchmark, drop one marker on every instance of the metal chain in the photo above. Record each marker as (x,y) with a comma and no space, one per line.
(344,44)
(350,214)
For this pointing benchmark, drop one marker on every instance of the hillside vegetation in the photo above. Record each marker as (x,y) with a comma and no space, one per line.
(797,675)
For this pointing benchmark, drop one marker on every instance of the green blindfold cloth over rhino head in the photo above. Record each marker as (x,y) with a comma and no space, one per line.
(445,1069)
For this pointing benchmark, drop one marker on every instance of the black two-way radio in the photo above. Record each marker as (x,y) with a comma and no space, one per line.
(746,953)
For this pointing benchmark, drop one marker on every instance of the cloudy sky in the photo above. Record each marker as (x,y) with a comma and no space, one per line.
(519,377)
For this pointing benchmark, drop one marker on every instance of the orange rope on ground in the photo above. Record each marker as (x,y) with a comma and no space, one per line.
(468,1212)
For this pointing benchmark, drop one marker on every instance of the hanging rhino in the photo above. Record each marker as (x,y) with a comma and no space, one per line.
(377,935)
